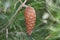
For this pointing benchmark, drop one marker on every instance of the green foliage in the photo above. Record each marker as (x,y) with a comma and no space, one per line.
(45,29)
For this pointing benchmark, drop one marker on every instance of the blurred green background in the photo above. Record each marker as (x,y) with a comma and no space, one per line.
(47,20)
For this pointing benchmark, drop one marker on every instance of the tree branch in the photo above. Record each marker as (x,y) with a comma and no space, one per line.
(10,21)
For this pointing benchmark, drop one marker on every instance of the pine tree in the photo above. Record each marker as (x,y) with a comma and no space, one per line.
(12,20)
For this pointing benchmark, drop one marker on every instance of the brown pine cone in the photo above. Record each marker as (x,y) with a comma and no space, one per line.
(30,18)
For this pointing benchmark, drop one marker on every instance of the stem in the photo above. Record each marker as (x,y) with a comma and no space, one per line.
(6,33)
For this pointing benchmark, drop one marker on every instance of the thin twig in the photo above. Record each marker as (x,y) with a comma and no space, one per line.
(6,33)
(22,2)
(10,21)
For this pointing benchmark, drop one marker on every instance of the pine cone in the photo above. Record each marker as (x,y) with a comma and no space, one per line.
(30,18)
